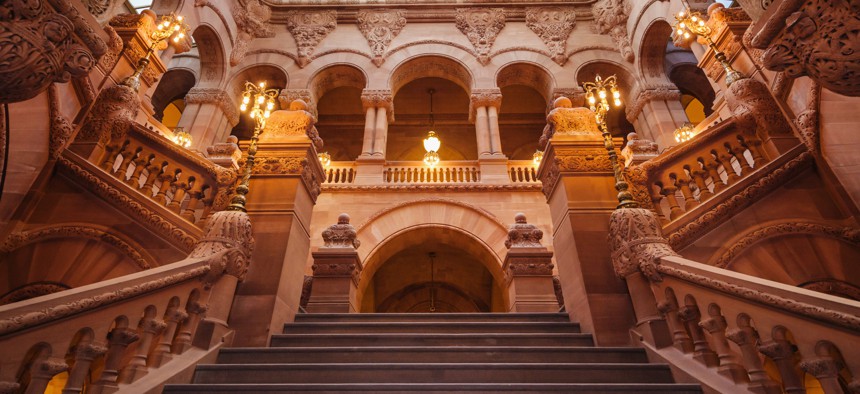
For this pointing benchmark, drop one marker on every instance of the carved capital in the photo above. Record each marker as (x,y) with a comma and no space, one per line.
(566,120)
(287,124)
(648,94)
(341,235)
(122,337)
(637,243)
(175,316)
(152,326)
(89,351)
(379,27)
(252,21)
(610,17)
(47,368)
(336,270)
(378,99)
(821,368)
(777,350)
(523,235)
(309,28)
(484,98)
(553,25)
(481,26)
(214,96)
(287,96)
(714,324)
(740,337)
(197,308)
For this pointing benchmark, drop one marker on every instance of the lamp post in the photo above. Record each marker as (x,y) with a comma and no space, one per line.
(687,22)
(171,25)
(598,93)
(259,102)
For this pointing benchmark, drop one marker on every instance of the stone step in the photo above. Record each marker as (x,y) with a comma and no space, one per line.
(441,354)
(438,388)
(472,339)
(432,373)
(431,317)
(429,327)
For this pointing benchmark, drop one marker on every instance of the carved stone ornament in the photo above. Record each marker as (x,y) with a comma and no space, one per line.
(484,98)
(528,267)
(481,26)
(566,120)
(40,45)
(225,154)
(754,108)
(32,290)
(553,25)
(252,21)
(61,127)
(308,29)
(296,121)
(523,235)
(648,94)
(214,96)
(111,116)
(638,150)
(341,235)
(225,230)
(379,27)
(637,243)
(820,40)
(610,17)
(808,121)
(378,99)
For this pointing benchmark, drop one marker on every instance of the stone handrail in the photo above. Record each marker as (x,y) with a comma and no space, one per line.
(697,170)
(174,177)
(418,173)
(90,331)
(522,171)
(339,173)
(730,322)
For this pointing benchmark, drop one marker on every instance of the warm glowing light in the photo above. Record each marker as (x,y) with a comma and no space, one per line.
(684,133)
(260,99)
(431,158)
(325,159)
(432,143)
(246,99)
(617,102)
(601,93)
(243,107)
(537,157)
(181,137)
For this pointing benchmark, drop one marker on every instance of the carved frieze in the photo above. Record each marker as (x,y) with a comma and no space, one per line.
(553,25)
(481,26)
(41,44)
(522,234)
(566,120)
(214,96)
(610,17)
(252,21)
(378,99)
(541,266)
(341,235)
(379,27)
(309,28)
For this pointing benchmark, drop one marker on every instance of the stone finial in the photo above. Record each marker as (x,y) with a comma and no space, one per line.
(523,235)
(225,154)
(637,243)
(564,119)
(341,235)
(638,150)
(294,122)
(226,230)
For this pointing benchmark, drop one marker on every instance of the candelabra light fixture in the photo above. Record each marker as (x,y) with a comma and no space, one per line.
(325,159)
(689,23)
(181,137)
(259,102)
(431,143)
(598,94)
(684,133)
(170,25)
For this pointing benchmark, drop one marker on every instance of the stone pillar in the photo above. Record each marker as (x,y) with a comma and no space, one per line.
(161,355)
(579,184)
(210,114)
(528,269)
(84,356)
(118,340)
(379,109)
(137,367)
(283,189)
(336,270)
(746,338)
(195,311)
(656,112)
(484,107)
(42,371)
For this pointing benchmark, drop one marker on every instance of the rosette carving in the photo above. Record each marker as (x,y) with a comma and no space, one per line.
(637,243)
(379,27)
(481,26)
(553,25)
(308,29)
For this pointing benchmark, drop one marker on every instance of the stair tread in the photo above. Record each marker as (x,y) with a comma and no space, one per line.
(439,365)
(435,349)
(592,387)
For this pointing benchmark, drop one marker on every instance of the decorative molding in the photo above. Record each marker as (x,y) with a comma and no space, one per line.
(610,17)
(754,108)
(341,235)
(252,21)
(32,290)
(550,177)
(424,42)
(378,99)
(481,26)
(296,121)
(217,11)
(564,119)
(61,128)
(523,235)
(215,96)
(808,122)
(385,211)
(648,94)
(128,248)
(379,27)
(637,243)
(583,160)
(431,188)
(553,25)
(308,29)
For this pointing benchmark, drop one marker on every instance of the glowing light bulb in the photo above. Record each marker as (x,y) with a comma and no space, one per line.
(591,100)
(682,25)
(686,35)
(615,94)
(266,114)
(243,107)
(253,114)
(246,99)
(694,18)
(262,84)
(269,106)
(617,102)
(179,18)
(175,39)
(260,99)
(181,35)
(701,23)
(176,28)
(681,14)
(680,32)
(601,93)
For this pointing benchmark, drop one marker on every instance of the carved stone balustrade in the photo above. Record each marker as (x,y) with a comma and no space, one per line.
(340,172)
(523,171)
(105,314)
(418,173)
(336,270)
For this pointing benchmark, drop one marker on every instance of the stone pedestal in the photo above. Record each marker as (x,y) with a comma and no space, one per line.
(335,285)
(528,272)
(368,170)
(494,169)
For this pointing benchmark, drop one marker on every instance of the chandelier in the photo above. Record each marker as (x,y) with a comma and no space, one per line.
(431,143)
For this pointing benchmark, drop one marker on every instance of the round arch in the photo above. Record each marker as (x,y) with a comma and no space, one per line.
(652,52)
(334,76)
(617,120)
(527,74)
(274,77)
(431,65)
(210,48)
(172,86)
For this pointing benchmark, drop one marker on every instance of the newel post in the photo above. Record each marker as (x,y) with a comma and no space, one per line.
(528,269)
(637,244)
(336,270)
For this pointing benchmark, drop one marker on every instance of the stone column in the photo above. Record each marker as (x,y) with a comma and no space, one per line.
(781,351)
(118,340)
(716,325)
(379,111)
(579,184)
(656,112)
(161,355)
(210,114)
(484,107)
(42,371)
(336,270)
(528,269)
(283,189)
(195,311)
(137,368)
(746,338)
(84,356)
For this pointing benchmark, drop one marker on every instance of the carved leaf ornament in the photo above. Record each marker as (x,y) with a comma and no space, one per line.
(309,28)
(379,28)
(481,26)
(553,25)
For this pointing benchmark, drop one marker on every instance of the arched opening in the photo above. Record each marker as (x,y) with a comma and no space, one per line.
(168,100)
(526,90)
(273,77)
(211,52)
(697,96)
(340,123)
(616,119)
(461,276)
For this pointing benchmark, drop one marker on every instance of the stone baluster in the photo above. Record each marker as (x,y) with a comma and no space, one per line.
(675,210)
(140,164)
(194,197)
(161,355)
(84,356)
(689,201)
(111,153)
(166,178)
(690,315)
(9,388)
(127,159)
(746,338)
(42,371)
(725,160)
(716,325)
(195,311)
(153,172)
(655,199)
(669,308)
(699,177)
(179,190)
(754,145)
(136,368)
(825,367)
(714,171)
(781,351)
(118,340)
(738,153)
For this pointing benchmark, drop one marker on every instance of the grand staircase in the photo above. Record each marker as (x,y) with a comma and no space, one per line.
(433,353)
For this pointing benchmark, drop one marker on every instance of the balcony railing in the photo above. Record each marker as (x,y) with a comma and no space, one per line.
(418,173)
(522,171)
(340,172)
